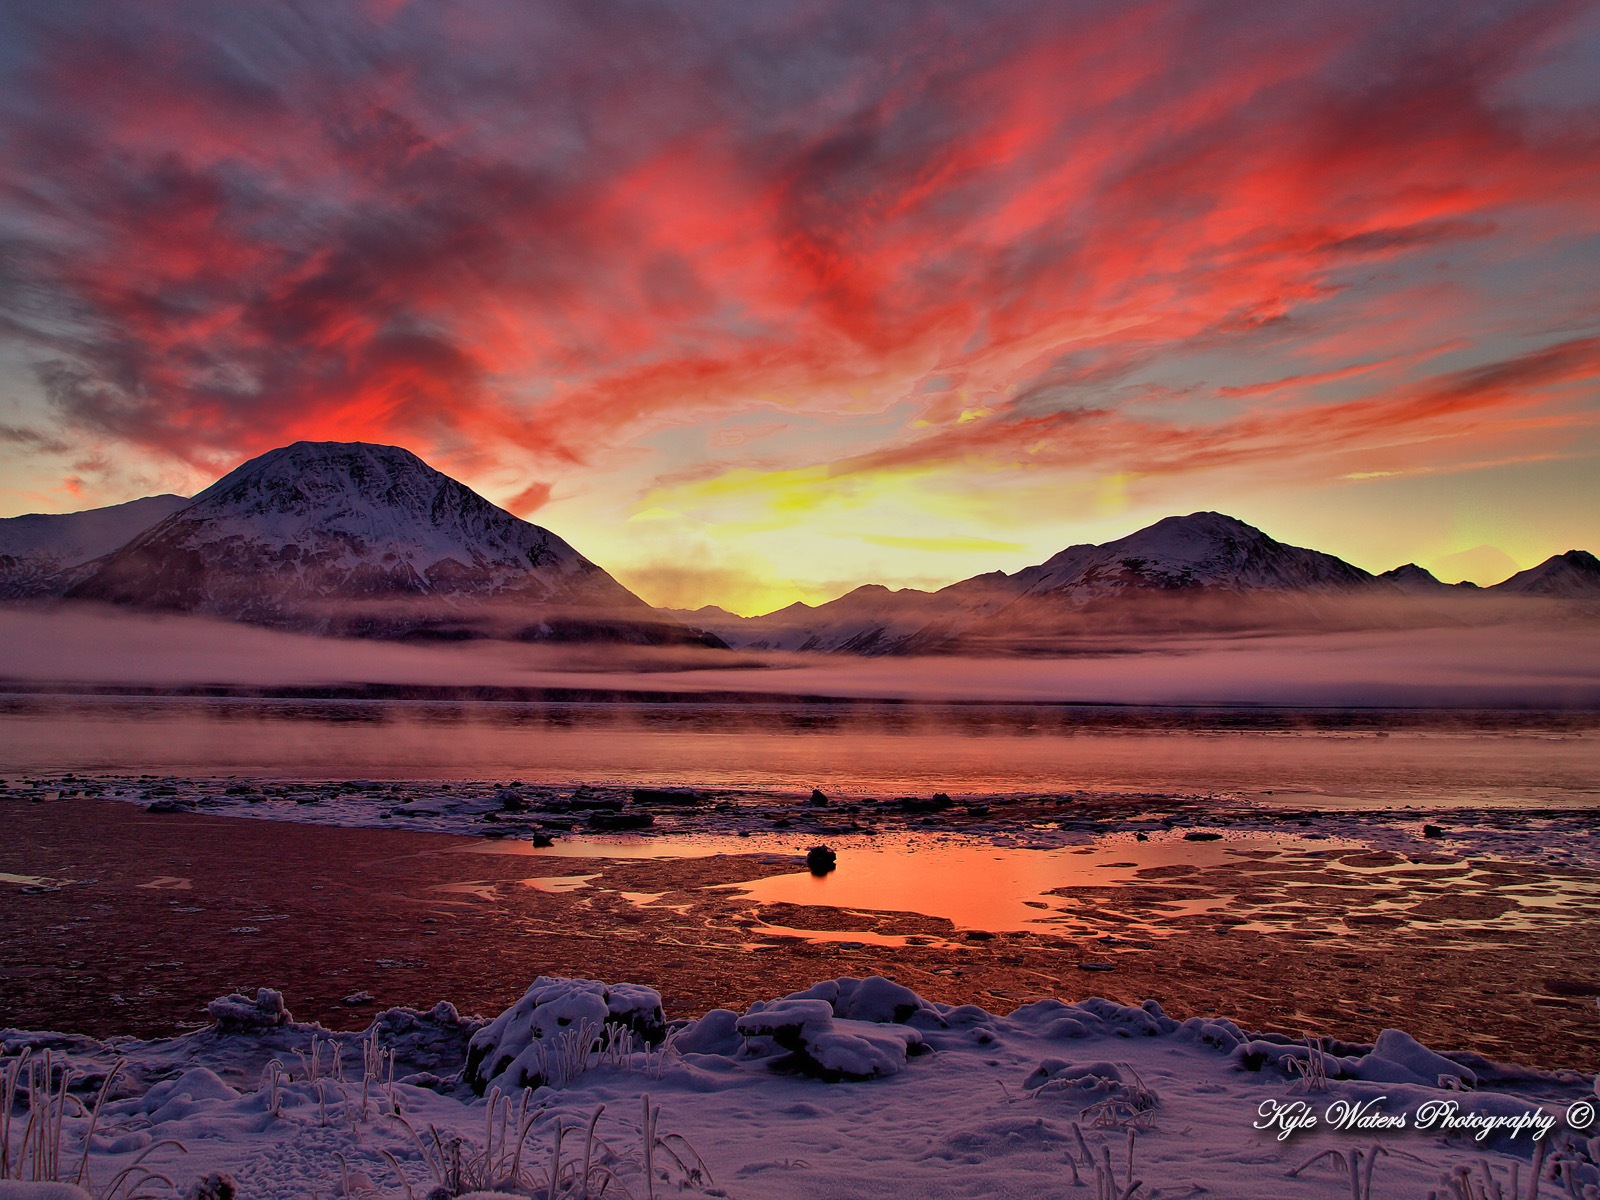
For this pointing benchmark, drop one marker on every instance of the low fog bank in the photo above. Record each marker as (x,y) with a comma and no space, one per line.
(1549,665)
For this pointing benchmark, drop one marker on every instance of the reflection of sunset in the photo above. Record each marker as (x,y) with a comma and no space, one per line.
(935,298)
(977,886)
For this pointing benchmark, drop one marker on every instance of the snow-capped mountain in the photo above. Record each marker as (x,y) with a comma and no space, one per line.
(39,552)
(1204,555)
(347,537)
(1204,571)
(1205,550)
(1574,575)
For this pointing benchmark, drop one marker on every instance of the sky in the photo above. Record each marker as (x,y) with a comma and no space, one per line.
(757,301)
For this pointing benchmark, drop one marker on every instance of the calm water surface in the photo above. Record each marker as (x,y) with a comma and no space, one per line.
(857,748)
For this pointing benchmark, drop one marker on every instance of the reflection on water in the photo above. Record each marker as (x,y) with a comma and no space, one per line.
(863,748)
(989,888)
(1127,894)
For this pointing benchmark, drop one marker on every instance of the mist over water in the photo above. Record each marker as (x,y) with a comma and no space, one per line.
(850,749)
(1442,715)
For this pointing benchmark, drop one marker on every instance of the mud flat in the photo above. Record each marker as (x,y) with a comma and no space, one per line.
(117,920)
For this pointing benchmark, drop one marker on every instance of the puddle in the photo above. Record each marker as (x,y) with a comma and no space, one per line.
(1001,890)
(1114,886)
(567,883)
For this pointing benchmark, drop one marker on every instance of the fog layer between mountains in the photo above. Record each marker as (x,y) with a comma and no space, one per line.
(1544,664)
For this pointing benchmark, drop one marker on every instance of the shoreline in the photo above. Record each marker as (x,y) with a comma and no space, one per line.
(270,903)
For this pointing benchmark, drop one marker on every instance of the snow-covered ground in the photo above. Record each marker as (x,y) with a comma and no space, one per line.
(849,1089)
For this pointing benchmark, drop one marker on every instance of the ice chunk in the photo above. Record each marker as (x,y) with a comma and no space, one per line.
(237,1013)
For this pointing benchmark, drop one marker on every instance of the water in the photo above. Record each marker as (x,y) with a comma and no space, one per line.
(861,748)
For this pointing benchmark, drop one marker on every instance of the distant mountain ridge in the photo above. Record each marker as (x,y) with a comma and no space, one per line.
(353,538)
(1183,573)
(40,552)
(1574,575)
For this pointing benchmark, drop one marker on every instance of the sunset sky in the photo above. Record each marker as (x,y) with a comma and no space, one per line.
(756,301)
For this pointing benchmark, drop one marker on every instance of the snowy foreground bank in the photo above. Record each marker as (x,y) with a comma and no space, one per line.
(851,1088)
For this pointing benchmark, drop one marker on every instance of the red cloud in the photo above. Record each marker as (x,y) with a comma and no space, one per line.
(541,230)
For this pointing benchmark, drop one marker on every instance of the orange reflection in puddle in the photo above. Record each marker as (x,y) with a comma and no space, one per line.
(991,888)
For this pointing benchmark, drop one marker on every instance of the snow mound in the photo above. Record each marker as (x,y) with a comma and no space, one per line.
(874,999)
(434,1041)
(237,1013)
(545,1037)
(831,1048)
(1398,1057)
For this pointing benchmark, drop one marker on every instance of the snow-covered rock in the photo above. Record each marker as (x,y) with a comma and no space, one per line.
(546,1036)
(238,1013)
(832,1048)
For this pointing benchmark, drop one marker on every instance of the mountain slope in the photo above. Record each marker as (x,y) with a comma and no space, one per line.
(355,538)
(39,551)
(1574,575)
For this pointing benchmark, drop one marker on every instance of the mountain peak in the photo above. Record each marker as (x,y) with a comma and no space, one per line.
(1412,578)
(1209,550)
(353,536)
(1573,575)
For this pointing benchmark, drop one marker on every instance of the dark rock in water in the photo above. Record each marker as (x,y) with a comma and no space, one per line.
(821,860)
(938,803)
(1095,966)
(977,810)
(818,797)
(1428,831)
(665,796)
(582,801)
(511,801)
(542,841)
(1141,837)
(1202,835)
(167,806)
(620,820)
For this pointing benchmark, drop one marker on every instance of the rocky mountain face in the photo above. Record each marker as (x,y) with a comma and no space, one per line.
(41,553)
(351,538)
